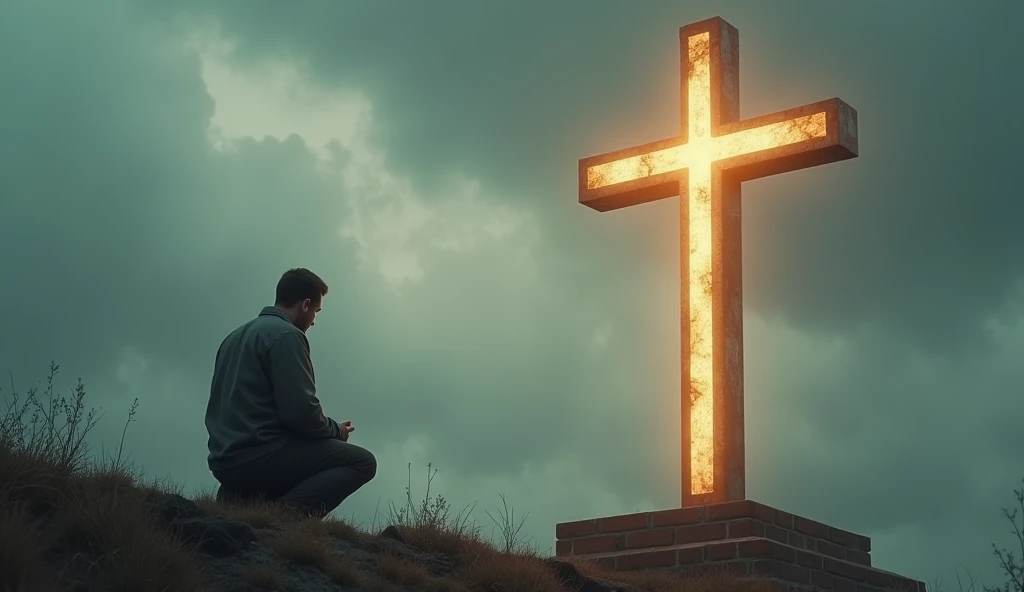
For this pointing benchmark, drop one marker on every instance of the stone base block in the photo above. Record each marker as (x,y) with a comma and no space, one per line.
(744,538)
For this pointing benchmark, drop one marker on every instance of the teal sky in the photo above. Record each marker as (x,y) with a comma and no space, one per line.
(161,164)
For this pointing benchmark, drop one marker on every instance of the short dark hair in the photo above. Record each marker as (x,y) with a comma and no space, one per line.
(298,284)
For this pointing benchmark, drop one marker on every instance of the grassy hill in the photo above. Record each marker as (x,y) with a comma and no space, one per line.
(69,523)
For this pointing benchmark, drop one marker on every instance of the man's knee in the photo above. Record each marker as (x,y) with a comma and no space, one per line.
(355,458)
(368,465)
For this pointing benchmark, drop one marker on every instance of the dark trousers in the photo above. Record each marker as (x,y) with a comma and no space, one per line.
(312,476)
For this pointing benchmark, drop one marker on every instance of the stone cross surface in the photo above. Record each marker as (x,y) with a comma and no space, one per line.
(705,165)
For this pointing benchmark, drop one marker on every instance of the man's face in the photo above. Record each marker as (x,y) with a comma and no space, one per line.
(307,313)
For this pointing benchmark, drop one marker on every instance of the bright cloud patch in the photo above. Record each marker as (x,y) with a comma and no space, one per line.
(131,368)
(393,224)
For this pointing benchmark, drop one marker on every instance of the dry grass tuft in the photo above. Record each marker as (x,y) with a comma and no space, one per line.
(503,572)
(264,577)
(402,571)
(258,514)
(301,546)
(125,546)
(430,526)
(88,517)
(405,574)
(329,528)
(21,549)
(307,544)
(342,571)
(446,541)
(27,476)
(342,530)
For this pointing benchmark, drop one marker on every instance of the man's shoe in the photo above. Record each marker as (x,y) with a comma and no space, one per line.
(225,495)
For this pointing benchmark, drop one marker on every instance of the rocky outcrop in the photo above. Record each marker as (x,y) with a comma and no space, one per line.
(214,535)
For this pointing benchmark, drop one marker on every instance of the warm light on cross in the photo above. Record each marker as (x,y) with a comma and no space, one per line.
(705,165)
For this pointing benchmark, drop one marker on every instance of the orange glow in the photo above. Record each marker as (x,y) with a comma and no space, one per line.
(697,156)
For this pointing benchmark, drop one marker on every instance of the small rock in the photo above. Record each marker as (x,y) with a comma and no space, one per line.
(394,542)
(171,507)
(392,532)
(215,535)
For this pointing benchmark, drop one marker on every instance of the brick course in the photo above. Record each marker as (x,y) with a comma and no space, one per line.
(744,538)
(731,520)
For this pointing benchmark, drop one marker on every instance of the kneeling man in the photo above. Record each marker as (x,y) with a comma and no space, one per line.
(269,437)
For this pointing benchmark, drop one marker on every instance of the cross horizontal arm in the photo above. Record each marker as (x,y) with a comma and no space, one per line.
(776,143)
(836,142)
(640,189)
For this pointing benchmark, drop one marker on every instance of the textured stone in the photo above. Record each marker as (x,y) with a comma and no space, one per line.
(215,535)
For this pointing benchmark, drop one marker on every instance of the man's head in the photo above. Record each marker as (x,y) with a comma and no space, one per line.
(300,293)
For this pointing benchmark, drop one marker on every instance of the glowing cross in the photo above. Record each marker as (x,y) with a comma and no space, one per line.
(705,165)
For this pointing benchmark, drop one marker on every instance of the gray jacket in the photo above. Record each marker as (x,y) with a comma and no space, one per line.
(263,392)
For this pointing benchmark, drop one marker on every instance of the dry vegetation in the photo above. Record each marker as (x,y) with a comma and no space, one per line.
(73,522)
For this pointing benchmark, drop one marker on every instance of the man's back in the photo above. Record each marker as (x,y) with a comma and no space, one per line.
(263,393)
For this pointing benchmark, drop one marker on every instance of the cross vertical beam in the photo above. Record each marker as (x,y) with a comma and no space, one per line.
(705,165)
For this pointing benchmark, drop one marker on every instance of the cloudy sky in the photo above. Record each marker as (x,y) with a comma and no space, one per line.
(161,164)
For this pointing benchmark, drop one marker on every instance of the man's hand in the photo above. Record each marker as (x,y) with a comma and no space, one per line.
(344,429)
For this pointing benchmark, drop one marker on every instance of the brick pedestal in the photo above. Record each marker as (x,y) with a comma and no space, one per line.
(745,538)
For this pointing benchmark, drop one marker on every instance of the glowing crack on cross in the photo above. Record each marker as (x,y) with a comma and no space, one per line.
(697,156)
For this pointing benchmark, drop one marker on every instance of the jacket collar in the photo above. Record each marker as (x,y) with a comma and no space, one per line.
(276,312)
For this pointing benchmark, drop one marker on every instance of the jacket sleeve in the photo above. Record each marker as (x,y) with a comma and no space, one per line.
(291,374)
